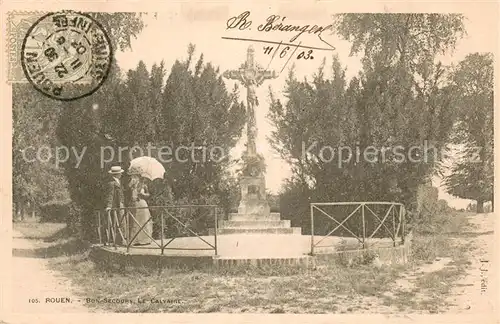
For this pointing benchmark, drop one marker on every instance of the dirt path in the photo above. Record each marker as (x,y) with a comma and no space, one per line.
(475,293)
(36,288)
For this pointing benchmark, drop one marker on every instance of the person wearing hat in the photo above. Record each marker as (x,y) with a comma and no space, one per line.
(114,199)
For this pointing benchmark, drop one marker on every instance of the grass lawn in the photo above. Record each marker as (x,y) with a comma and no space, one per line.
(51,240)
(40,231)
(334,289)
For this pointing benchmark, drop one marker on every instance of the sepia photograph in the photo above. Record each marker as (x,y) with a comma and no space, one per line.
(250,159)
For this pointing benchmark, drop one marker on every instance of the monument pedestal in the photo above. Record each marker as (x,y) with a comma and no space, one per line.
(253,197)
(254,214)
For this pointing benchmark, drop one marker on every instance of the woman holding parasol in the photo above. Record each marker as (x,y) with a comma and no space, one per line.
(141,225)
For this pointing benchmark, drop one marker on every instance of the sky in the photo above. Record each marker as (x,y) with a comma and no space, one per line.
(167,36)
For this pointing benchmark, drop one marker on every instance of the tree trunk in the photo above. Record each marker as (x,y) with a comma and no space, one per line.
(480,207)
(21,211)
(18,212)
(32,210)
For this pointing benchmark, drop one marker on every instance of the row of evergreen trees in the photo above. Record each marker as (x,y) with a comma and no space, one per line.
(402,97)
(191,108)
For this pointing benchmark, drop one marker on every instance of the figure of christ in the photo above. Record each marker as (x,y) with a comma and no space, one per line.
(251,76)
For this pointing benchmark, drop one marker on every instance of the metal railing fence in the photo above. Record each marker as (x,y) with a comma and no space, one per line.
(116,226)
(376,214)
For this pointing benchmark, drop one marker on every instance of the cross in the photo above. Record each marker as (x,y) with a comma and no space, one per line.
(251,75)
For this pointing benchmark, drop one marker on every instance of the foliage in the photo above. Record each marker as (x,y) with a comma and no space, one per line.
(274,202)
(294,205)
(471,176)
(432,240)
(427,208)
(55,211)
(412,40)
(121,26)
(80,126)
(34,180)
(399,101)
(198,111)
(432,213)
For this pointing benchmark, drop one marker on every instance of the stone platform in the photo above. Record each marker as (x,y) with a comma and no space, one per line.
(254,214)
(255,224)
(241,250)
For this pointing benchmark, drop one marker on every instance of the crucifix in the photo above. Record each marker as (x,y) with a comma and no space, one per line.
(251,75)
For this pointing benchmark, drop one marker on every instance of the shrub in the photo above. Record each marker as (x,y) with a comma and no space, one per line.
(73,219)
(55,211)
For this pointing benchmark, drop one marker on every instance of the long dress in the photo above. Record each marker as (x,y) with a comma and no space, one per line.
(141,215)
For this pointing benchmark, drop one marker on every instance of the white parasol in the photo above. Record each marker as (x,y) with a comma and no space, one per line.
(147,167)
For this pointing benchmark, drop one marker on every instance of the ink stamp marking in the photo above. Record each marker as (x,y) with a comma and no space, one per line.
(66,55)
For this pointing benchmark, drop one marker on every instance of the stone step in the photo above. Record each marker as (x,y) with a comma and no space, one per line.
(256,224)
(246,217)
(248,230)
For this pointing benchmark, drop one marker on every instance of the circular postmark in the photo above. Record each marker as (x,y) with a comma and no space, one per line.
(66,55)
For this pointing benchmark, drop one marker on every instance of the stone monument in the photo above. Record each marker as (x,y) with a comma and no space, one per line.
(254,214)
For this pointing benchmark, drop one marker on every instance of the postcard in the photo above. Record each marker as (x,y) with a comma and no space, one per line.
(228,161)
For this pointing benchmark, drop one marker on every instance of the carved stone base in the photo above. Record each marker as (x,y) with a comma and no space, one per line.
(253,197)
(254,215)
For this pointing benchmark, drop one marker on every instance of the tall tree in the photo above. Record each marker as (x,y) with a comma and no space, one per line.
(36,179)
(405,39)
(471,177)
(89,126)
(121,26)
(138,107)
(200,113)
(92,123)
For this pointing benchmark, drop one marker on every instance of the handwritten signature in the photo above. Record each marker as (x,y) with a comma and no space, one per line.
(277,23)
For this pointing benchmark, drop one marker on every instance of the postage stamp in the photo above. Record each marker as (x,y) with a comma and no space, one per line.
(18,23)
(272,158)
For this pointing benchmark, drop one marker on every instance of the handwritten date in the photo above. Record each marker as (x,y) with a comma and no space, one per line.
(306,55)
